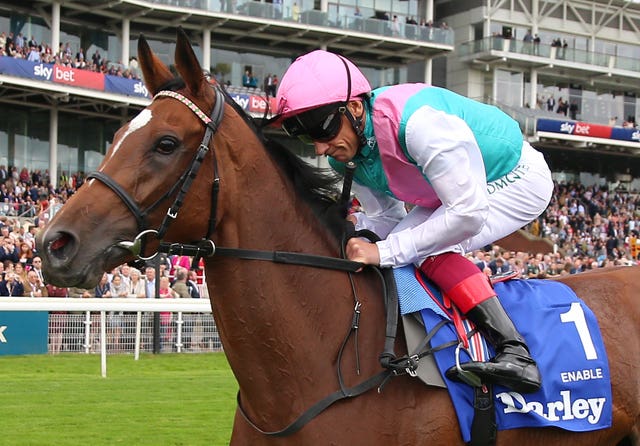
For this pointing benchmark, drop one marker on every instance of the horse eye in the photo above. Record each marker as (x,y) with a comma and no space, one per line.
(166,145)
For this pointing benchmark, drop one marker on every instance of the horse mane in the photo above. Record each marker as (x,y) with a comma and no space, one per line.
(316,186)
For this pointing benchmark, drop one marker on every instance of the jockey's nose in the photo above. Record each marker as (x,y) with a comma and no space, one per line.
(321,147)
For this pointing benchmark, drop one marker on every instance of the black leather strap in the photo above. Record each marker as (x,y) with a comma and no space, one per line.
(484,429)
(126,199)
(207,249)
(320,406)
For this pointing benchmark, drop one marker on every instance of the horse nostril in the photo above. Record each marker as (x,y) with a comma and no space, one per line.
(61,246)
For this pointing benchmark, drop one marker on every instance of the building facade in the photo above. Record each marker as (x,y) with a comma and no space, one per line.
(485,49)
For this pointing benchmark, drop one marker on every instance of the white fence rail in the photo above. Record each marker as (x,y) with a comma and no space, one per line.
(123,325)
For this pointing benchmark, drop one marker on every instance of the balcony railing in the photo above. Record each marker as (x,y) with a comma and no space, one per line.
(319,18)
(602,60)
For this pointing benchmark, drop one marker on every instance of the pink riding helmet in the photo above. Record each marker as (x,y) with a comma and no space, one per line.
(315,79)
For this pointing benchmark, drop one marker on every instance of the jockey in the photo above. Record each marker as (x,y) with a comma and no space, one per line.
(461,164)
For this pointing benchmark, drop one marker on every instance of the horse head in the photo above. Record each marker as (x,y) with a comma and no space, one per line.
(192,128)
(139,179)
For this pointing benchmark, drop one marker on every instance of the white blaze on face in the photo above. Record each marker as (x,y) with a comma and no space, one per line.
(136,123)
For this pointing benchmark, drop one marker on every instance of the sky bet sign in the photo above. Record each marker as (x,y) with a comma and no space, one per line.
(70,76)
(59,74)
(587,129)
(253,103)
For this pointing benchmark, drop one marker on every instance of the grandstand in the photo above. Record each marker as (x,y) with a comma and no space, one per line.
(62,119)
(516,55)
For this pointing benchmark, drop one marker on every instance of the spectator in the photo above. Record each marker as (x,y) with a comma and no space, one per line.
(499,266)
(178,262)
(11,285)
(165,316)
(124,272)
(8,251)
(34,55)
(36,265)
(103,289)
(117,289)
(18,269)
(246,79)
(551,103)
(25,254)
(96,59)
(180,284)
(136,284)
(192,284)
(395,26)
(573,110)
(34,287)
(150,282)
(295,12)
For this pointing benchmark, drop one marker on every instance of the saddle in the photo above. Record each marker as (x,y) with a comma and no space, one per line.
(575,372)
(416,333)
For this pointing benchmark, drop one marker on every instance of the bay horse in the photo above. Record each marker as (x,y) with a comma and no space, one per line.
(283,326)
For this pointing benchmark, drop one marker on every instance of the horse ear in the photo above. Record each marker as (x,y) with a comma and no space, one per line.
(154,72)
(188,65)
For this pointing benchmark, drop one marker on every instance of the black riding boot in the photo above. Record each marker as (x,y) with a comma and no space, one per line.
(512,366)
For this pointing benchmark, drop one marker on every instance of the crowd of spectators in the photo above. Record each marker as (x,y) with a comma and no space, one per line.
(30,201)
(19,47)
(587,227)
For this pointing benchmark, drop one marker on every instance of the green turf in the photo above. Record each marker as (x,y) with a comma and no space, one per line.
(166,399)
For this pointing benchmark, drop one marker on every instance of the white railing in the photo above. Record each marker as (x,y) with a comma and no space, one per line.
(123,325)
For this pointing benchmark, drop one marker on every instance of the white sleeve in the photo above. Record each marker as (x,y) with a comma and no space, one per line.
(444,147)
(381,212)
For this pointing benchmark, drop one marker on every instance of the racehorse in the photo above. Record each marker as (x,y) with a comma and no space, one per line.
(192,165)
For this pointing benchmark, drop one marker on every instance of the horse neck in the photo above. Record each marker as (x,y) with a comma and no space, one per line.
(263,210)
(268,313)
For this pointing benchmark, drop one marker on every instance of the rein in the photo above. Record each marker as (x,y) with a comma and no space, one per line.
(207,248)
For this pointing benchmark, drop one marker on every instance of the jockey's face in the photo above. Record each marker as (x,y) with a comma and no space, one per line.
(344,146)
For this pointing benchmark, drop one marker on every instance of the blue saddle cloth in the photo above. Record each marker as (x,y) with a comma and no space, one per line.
(564,338)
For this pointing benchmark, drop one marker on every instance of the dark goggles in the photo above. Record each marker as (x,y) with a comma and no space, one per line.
(321,124)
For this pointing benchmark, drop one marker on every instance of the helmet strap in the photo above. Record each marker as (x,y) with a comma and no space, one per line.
(356,123)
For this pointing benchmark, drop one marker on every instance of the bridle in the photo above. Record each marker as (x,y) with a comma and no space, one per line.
(184,182)
(205,246)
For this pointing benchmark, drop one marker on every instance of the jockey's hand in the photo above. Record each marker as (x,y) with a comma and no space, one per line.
(360,250)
